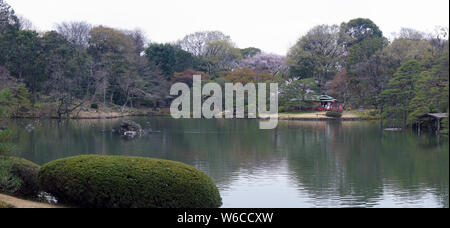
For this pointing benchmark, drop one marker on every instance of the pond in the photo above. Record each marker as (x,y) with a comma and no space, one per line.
(299,164)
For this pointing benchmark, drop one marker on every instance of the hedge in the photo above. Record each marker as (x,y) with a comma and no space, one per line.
(18,177)
(95,181)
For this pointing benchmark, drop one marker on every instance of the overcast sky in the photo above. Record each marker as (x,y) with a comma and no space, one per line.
(271,25)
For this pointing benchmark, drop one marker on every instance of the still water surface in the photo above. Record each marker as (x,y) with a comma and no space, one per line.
(300,164)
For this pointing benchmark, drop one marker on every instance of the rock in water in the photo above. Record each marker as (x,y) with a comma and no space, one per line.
(130,129)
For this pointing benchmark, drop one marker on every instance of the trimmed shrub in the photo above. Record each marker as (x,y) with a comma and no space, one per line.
(96,181)
(18,177)
(334,114)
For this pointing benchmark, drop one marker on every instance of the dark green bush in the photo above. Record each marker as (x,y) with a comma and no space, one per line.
(127,182)
(94,106)
(18,177)
(334,114)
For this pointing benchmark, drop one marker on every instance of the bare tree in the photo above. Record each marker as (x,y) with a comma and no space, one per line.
(439,39)
(411,34)
(75,32)
(26,24)
(197,43)
(140,40)
(271,62)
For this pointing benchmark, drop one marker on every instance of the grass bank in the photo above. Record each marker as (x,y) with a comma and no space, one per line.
(7,201)
(321,116)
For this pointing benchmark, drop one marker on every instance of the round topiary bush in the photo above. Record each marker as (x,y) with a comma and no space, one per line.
(18,177)
(95,181)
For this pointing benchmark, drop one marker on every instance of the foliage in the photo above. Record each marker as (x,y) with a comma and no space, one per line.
(5,141)
(14,102)
(128,182)
(187,77)
(197,43)
(317,55)
(266,62)
(221,56)
(6,98)
(76,33)
(401,90)
(250,52)
(334,114)
(18,177)
(298,93)
(80,64)
(247,75)
(8,19)
(359,29)
(94,106)
(170,59)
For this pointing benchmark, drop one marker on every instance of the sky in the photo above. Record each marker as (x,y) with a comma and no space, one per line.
(271,25)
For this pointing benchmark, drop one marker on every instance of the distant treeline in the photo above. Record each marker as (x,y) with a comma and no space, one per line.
(79,63)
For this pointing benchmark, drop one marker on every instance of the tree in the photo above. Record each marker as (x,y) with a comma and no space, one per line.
(7,80)
(402,88)
(362,38)
(318,54)
(220,57)
(140,40)
(344,88)
(432,89)
(299,93)
(250,52)
(170,59)
(14,102)
(21,54)
(358,30)
(411,34)
(61,65)
(6,102)
(246,75)
(163,56)
(21,100)
(363,51)
(197,43)
(75,32)
(26,24)
(187,77)
(8,19)
(266,62)
(112,52)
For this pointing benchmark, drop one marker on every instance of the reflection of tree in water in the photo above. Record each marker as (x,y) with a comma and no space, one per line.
(355,162)
(334,162)
(222,148)
(348,163)
(420,167)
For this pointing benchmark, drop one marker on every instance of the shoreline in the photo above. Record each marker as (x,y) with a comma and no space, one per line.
(281,116)
(14,202)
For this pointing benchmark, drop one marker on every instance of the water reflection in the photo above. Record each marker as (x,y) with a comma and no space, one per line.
(300,164)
